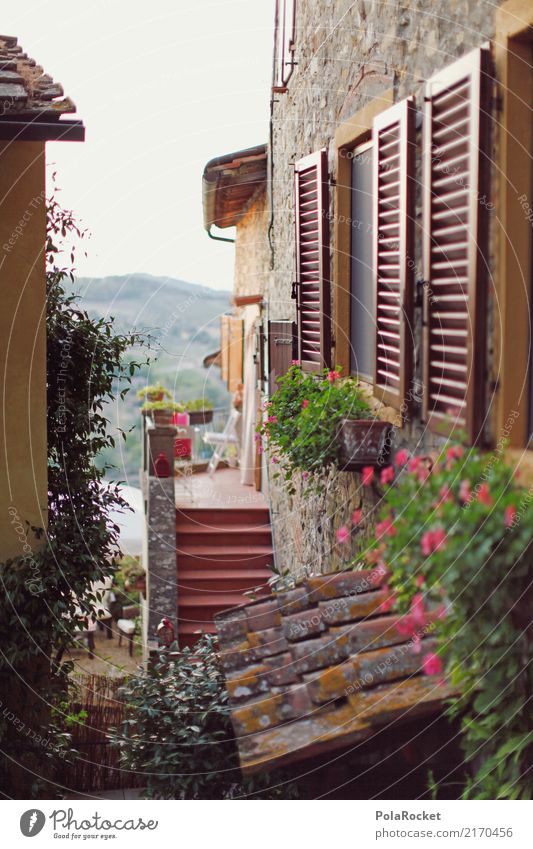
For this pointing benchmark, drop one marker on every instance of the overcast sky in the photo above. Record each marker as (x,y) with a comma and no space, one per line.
(162,87)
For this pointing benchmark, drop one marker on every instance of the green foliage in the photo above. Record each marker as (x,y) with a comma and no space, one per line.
(196,405)
(155,389)
(178,734)
(304,416)
(462,531)
(41,592)
(162,405)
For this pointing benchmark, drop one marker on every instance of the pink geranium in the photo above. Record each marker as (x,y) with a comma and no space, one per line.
(357,515)
(420,580)
(483,495)
(388,603)
(272,420)
(343,534)
(414,464)
(385,528)
(275,460)
(510,515)
(305,403)
(454,453)
(465,493)
(401,457)
(445,494)
(333,376)
(387,475)
(431,664)
(367,475)
(432,541)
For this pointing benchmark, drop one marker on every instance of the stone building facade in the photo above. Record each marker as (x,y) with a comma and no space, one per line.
(349,62)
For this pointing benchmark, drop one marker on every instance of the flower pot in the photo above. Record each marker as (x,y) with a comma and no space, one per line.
(363,442)
(155,396)
(163,418)
(198,417)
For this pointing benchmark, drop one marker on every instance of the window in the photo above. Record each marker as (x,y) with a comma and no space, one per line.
(285,38)
(312,286)
(455,195)
(362,309)
(392,253)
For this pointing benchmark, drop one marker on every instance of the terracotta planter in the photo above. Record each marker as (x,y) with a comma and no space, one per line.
(155,396)
(198,417)
(163,418)
(363,442)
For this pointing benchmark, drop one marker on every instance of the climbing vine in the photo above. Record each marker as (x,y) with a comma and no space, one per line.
(43,591)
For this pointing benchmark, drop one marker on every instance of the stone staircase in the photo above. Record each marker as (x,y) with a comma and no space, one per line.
(221,554)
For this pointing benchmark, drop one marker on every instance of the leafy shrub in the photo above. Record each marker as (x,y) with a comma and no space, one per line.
(178,733)
(303,419)
(459,529)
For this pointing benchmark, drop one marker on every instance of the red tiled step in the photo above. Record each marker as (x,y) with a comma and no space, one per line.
(211,557)
(201,608)
(230,580)
(223,517)
(194,533)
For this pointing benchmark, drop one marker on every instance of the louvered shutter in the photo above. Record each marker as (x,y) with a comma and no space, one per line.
(394,148)
(311,192)
(280,351)
(455,232)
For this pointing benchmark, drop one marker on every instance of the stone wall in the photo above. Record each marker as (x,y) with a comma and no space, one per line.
(252,251)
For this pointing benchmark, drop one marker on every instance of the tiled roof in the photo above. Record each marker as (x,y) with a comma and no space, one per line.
(319,667)
(230,183)
(25,90)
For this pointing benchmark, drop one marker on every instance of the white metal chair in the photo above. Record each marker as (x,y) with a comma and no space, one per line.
(222,440)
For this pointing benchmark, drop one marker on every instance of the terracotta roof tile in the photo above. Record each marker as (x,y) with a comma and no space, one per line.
(319,667)
(25,90)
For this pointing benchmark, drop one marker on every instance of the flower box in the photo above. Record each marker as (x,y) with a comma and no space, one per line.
(198,417)
(163,418)
(363,442)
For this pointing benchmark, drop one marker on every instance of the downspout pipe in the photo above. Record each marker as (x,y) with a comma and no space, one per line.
(218,238)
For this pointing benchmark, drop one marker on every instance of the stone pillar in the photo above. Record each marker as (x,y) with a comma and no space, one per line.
(161,579)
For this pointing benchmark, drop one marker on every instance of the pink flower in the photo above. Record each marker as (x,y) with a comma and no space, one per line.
(465,493)
(357,515)
(454,453)
(401,457)
(510,515)
(423,474)
(305,403)
(445,493)
(272,420)
(275,460)
(387,475)
(406,626)
(333,376)
(420,580)
(426,543)
(295,362)
(431,664)
(483,495)
(367,475)
(343,534)
(417,610)
(385,528)
(432,541)
(305,475)
(414,463)
(388,603)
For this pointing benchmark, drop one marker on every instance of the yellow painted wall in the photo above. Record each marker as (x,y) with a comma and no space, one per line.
(23,476)
(252,252)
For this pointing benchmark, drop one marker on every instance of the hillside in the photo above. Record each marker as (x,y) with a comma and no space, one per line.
(182,321)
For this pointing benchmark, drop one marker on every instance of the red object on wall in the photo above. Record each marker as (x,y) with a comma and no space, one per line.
(182,448)
(162,467)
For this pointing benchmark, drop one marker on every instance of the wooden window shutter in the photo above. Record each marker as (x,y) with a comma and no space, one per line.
(281,350)
(224,346)
(312,286)
(393,227)
(455,195)
(235,349)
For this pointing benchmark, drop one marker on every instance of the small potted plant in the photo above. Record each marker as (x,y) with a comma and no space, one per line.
(134,577)
(162,411)
(200,411)
(154,393)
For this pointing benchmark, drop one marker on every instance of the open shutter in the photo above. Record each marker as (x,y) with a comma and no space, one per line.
(224,346)
(455,231)
(312,287)
(280,351)
(235,348)
(393,226)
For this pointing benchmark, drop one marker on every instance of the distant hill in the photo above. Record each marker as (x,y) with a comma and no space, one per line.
(183,322)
